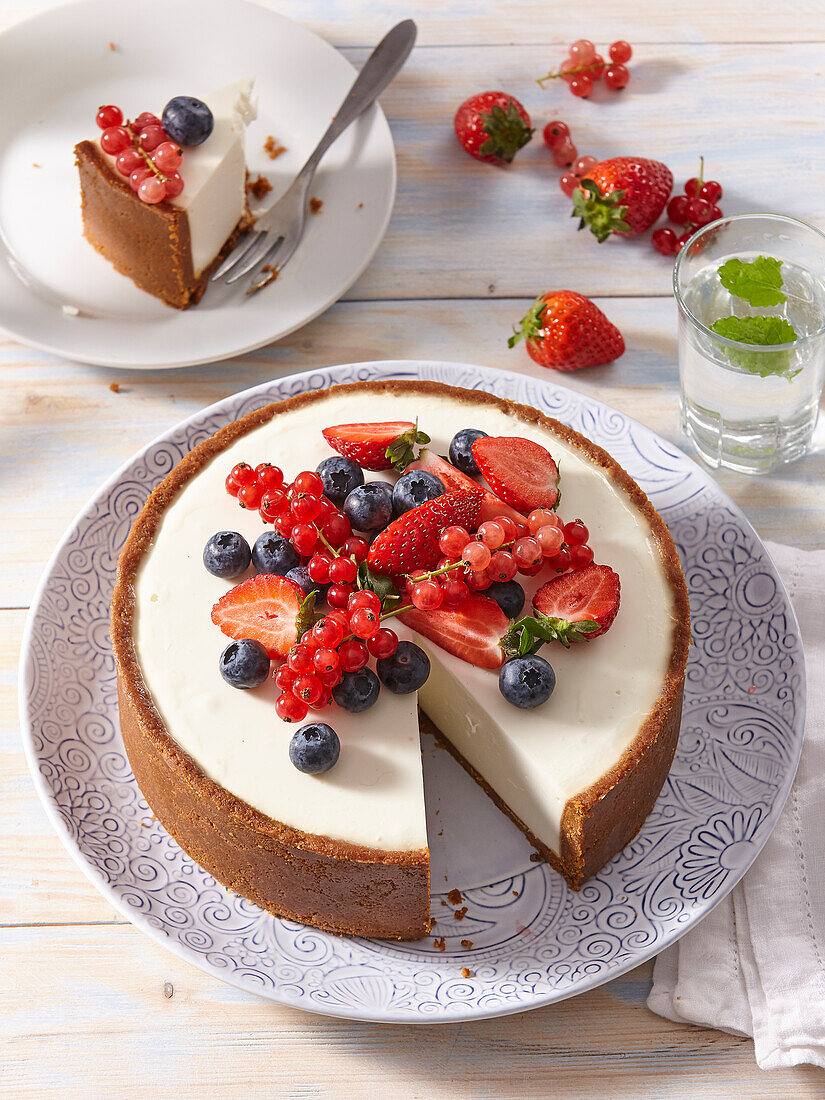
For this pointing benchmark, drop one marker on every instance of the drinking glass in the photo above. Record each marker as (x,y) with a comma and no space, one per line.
(751,407)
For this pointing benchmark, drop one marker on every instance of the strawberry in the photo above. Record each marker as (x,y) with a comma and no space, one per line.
(472,631)
(411,541)
(566,331)
(623,195)
(453,478)
(376,446)
(265,608)
(522,472)
(492,127)
(588,594)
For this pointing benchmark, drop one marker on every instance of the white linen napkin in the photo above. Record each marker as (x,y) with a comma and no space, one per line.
(756,965)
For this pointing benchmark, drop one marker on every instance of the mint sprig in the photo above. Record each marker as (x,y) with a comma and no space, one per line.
(529,634)
(757,282)
(762,332)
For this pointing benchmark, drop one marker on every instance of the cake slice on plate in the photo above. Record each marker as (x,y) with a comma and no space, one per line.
(164,199)
(327,826)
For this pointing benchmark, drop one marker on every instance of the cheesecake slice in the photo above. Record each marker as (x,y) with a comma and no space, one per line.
(171,248)
(347,850)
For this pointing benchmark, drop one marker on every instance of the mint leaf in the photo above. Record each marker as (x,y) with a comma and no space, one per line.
(400,452)
(761,331)
(756,282)
(530,633)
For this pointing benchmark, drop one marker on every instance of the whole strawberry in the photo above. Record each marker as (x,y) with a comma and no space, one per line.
(566,331)
(492,127)
(623,195)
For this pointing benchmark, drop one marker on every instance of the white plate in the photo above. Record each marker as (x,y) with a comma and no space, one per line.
(534,941)
(63,65)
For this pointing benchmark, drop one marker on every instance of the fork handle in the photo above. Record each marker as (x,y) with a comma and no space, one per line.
(380,68)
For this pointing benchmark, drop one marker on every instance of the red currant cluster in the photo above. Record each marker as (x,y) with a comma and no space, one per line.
(565,154)
(697,206)
(342,641)
(143,152)
(495,553)
(583,66)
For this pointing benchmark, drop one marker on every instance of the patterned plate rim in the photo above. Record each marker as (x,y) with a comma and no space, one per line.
(299,382)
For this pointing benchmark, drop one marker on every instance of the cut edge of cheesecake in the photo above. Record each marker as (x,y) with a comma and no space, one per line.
(331,884)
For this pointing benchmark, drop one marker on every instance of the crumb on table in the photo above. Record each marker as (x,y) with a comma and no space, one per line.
(259,187)
(114,387)
(465,973)
(440,944)
(272,149)
(467,944)
(454,897)
(112,47)
(535,857)
(460,914)
(315,205)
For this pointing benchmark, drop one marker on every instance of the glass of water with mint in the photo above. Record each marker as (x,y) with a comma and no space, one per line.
(751,297)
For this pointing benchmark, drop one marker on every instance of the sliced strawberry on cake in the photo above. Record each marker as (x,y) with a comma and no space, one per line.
(411,541)
(377,446)
(472,631)
(586,595)
(492,507)
(523,473)
(264,608)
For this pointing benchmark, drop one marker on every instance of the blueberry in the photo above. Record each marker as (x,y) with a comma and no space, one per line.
(244,664)
(413,488)
(509,595)
(340,476)
(526,682)
(187,120)
(406,670)
(314,748)
(461,454)
(226,554)
(369,507)
(300,574)
(272,553)
(357,691)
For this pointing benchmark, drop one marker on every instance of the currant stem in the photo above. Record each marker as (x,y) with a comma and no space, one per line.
(589,68)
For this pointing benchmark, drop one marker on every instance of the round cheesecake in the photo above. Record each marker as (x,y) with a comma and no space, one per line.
(347,850)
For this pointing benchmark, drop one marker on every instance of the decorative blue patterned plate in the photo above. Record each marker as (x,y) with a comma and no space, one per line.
(534,941)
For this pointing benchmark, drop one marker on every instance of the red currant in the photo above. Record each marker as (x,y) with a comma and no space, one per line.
(249,496)
(427,595)
(319,568)
(336,529)
(698,211)
(478,581)
(342,571)
(455,591)
(491,534)
(232,486)
(568,69)
(364,622)
(115,139)
(453,540)
(576,533)
(127,161)
(353,655)
(583,51)
(550,539)
(554,132)
(152,190)
(568,182)
(364,598)
(304,538)
(503,566)
(683,240)
(383,643)
(338,594)
(274,500)
(151,136)
(583,165)
(330,679)
(692,187)
(168,156)
(527,552)
(616,77)
(715,213)
(174,184)
(621,51)
(290,709)
(328,631)
(476,555)
(710,190)
(582,85)
(532,570)
(355,547)
(580,556)
(285,677)
(300,659)
(305,509)
(145,119)
(109,116)
(664,241)
(412,580)
(596,67)
(677,209)
(564,153)
(243,474)
(271,477)
(308,687)
(542,517)
(561,561)
(325,659)
(310,483)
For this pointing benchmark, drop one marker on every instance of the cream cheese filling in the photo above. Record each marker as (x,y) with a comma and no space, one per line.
(536,760)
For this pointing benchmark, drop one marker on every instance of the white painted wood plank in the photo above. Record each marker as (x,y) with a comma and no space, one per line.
(46,407)
(85,1014)
(360,22)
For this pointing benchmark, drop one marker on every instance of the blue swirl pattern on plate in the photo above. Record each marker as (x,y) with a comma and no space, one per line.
(534,940)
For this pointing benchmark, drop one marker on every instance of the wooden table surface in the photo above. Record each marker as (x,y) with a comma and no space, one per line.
(88,1005)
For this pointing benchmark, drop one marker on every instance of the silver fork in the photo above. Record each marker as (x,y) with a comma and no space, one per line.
(278,231)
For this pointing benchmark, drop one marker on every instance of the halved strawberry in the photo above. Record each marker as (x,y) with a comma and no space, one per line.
(453,478)
(264,608)
(472,631)
(411,541)
(522,472)
(376,446)
(588,594)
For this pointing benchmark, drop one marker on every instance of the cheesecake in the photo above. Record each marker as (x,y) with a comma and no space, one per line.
(347,850)
(170,248)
